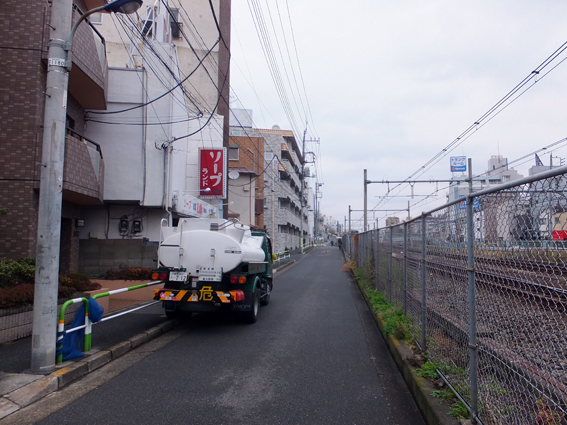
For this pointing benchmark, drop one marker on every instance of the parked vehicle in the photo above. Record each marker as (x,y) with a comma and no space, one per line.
(211,264)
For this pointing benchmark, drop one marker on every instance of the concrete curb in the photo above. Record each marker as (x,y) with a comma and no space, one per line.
(284,266)
(433,412)
(70,371)
(431,408)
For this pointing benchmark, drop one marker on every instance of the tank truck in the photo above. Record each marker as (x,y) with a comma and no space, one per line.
(211,264)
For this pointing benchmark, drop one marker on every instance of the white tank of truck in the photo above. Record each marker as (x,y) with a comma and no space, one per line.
(208,244)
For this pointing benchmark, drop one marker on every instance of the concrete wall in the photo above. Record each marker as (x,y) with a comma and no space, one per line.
(99,255)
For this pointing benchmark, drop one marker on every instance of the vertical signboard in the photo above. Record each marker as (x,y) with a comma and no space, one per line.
(458,163)
(213,170)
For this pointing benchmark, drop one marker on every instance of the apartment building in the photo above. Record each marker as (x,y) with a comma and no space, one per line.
(246,182)
(124,172)
(168,83)
(283,181)
(25,38)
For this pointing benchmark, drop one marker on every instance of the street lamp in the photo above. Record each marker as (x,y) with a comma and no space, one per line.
(51,180)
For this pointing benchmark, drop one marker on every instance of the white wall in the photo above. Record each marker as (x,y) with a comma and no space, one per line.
(122,145)
(242,193)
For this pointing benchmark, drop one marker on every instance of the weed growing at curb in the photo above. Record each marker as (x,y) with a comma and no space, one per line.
(398,325)
(428,370)
(459,411)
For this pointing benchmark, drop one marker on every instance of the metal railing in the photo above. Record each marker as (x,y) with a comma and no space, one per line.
(282,256)
(87,341)
(482,283)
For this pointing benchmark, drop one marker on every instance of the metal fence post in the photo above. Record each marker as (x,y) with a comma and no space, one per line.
(473,348)
(390,266)
(377,260)
(423,294)
(405,268)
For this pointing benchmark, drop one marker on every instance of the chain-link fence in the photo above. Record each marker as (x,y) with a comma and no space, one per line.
(482,282)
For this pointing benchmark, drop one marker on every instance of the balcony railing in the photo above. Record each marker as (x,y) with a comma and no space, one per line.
(83,176)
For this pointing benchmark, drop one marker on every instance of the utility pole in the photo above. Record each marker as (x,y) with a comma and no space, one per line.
(301,181)
(349,210)
(51,180)
(50,191)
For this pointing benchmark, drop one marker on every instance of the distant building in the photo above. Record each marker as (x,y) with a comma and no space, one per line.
(392,221)
(246,183)
(279,169)
(492,219)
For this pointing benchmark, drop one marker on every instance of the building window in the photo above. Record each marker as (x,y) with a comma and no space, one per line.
(175,24)
(149,22)
(96,18)
(233,153)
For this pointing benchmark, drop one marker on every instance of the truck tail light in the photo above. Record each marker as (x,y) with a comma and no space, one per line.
(237,279)
(237,295)
(157,275)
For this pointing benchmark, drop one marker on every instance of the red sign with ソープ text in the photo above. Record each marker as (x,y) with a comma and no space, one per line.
(212,172)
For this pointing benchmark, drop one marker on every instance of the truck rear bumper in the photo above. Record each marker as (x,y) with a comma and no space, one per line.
(196,301)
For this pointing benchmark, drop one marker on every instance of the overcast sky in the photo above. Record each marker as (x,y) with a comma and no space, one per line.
(392,83)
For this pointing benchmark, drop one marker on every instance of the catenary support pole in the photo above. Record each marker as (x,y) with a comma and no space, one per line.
(405,268)
(377,261)
(473,347)
(50,191)
(390,265)
(365,200)
(423,286)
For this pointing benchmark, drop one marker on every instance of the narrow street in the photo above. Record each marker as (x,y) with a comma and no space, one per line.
(314,357)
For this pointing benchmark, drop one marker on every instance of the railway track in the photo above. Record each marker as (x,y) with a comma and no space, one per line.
(529,281)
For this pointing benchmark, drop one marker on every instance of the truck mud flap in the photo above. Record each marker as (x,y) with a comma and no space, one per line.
(245,304)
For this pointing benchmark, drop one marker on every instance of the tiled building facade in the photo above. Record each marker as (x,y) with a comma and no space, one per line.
(282,180)
(246,157)
(23,41)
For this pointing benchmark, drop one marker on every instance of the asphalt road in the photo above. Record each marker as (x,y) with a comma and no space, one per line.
(313,357)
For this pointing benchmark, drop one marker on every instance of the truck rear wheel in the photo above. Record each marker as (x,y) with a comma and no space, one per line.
(252,315)
(265,300)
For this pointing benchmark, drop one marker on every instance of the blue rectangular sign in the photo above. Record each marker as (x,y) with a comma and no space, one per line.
(463,203)
(458,163)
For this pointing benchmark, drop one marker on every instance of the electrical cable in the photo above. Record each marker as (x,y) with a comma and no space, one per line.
(495,110)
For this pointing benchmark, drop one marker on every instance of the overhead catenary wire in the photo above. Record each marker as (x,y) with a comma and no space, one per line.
(492,112)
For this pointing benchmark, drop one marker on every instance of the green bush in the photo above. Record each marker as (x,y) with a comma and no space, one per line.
(14,273)
(23,294)
(78,282)
(131,273)
(17,280)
